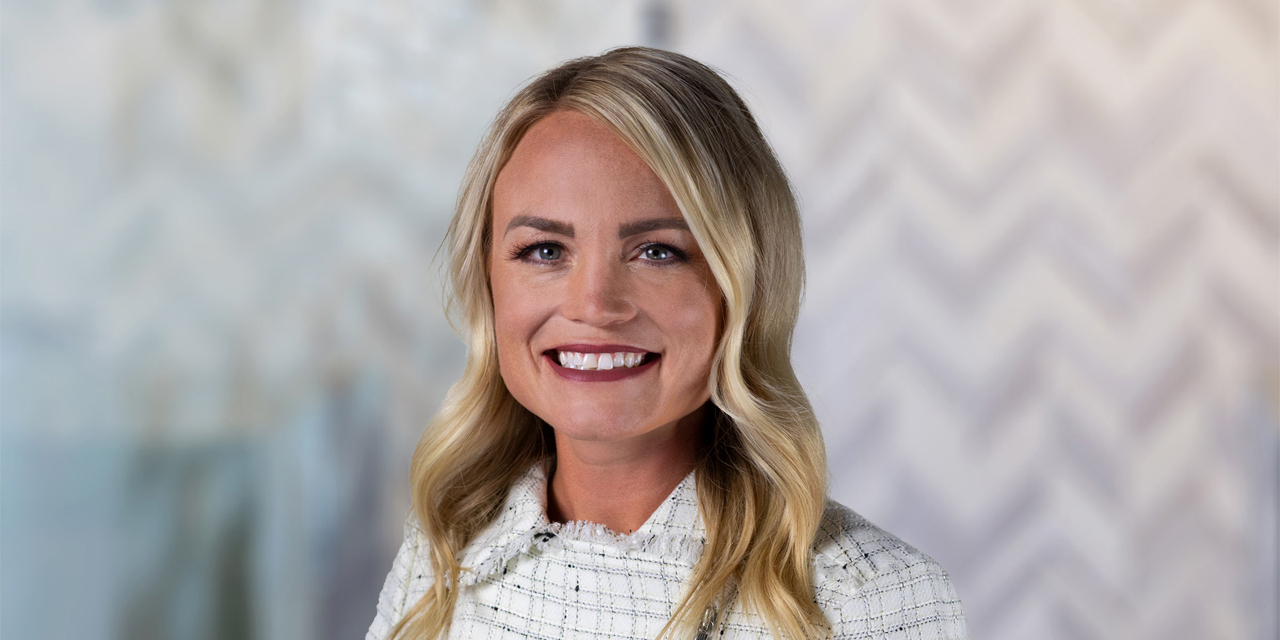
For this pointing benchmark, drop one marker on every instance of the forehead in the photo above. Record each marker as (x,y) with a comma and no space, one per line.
(570,167)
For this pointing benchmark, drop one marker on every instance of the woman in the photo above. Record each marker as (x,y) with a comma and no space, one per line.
(628,453)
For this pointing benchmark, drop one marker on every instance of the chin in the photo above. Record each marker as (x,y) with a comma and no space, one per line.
(601,428)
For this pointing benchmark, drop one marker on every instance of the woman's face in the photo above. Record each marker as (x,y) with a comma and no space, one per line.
(607,314)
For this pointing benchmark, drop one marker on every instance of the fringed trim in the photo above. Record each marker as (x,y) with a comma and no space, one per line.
(670,548)
(686,549)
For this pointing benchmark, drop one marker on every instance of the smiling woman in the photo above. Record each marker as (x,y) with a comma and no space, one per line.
(607,266)
(628,453)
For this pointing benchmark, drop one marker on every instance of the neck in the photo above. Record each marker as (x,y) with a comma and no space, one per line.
(620,483)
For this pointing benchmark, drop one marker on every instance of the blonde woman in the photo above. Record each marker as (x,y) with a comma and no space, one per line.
(628,453)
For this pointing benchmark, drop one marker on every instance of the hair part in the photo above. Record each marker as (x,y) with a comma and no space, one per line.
(761,482)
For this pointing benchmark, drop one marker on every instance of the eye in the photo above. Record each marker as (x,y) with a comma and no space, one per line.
(657,253)
(538,252)
(662,253)
(548,252)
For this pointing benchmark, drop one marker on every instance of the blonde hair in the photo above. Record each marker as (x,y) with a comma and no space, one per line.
(762,481)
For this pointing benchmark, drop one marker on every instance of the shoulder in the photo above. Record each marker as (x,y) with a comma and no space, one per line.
(414,560)
(870,583)
(408,580)
(851,550)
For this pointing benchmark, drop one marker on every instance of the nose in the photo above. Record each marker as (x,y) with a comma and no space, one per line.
(598,294)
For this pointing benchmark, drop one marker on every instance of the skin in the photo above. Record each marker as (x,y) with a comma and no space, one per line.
(621,446)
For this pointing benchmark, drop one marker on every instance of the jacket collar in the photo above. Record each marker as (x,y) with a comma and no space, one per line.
(674,532)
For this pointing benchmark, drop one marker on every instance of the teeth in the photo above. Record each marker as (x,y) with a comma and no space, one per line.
(599,361)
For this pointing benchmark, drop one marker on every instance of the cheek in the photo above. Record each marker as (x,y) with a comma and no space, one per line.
(504,307)
(515,317)
(703,329)
(514,301)
(691,320)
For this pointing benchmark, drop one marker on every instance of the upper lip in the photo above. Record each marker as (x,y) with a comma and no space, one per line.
(599,348)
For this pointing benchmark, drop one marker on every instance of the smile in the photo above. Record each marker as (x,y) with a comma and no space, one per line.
(601,361)
(605,363)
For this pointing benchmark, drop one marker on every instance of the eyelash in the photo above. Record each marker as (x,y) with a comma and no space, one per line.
(521,252)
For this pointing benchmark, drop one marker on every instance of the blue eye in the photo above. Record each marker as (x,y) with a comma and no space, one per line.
(538,252)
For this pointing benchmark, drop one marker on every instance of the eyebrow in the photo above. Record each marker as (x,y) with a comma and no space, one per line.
(643,226)
(541,224)
(625,231)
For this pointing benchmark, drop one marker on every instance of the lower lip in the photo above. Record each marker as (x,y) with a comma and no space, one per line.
(608,375)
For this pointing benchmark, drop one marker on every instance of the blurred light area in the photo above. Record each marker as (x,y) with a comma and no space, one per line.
(222,330)
(1042,323)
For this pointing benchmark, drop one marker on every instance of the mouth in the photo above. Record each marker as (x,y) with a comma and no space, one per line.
(599,363)
(600,360)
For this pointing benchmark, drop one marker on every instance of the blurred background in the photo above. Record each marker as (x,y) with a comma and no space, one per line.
(1042,327)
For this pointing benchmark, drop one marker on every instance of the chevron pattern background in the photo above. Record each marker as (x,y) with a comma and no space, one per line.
(1043,293)
(1042,326)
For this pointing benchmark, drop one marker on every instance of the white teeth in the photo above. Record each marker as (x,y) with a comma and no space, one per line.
(599,361)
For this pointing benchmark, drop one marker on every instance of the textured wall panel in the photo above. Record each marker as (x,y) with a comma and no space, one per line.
(1041,327)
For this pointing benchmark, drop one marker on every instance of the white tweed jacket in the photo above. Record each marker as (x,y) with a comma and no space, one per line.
(530,578)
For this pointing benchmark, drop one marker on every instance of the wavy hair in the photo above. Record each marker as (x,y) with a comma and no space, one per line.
(761,482)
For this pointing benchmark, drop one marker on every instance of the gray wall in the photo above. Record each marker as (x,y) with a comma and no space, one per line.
(1042,327)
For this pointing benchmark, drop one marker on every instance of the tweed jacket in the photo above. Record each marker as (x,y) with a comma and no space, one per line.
(525,577)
